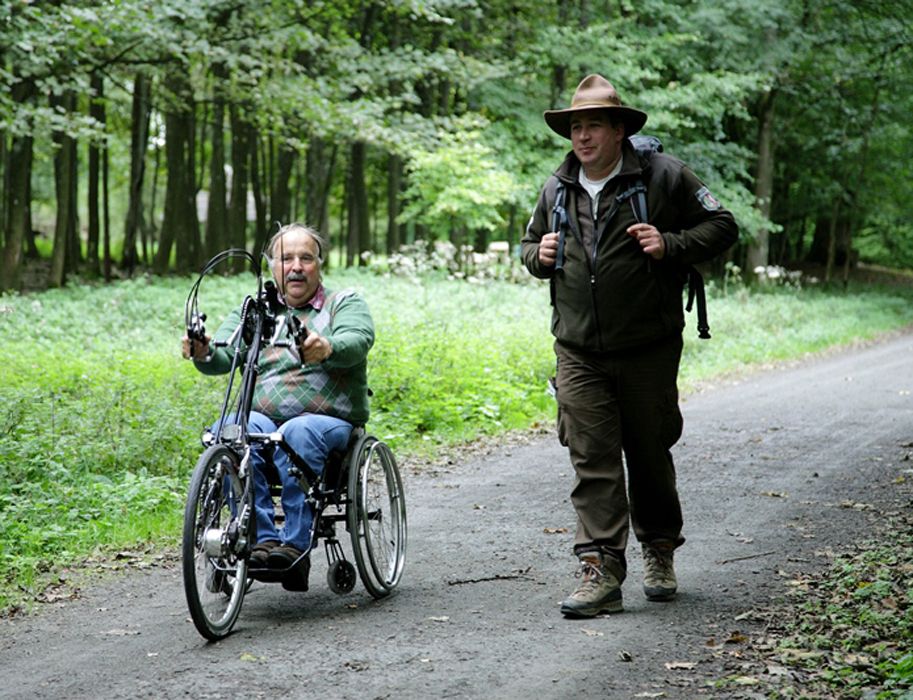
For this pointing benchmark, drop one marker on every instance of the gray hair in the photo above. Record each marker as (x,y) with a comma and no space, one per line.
(295,226)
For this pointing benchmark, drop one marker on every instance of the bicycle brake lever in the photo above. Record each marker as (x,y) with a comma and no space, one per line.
(298,329)
(196,331)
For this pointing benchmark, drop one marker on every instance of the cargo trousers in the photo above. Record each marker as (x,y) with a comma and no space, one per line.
(618,410)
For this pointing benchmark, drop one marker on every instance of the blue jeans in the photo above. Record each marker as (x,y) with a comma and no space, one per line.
(313,437)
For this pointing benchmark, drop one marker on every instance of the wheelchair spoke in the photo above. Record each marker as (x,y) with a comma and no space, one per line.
(377,517)
(213,534)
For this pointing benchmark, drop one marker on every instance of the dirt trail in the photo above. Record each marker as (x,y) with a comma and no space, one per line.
(774,470)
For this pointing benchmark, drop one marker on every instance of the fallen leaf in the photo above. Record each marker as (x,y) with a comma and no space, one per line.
(625,656)
(745,680)
(247,656)
(554,530)
(775,670)
(122,632)
(775,494)
(592,633)
(746,615)
(737,638)
(439,618)
(680,665)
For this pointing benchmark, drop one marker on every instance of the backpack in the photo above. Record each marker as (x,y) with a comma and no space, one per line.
(636,194)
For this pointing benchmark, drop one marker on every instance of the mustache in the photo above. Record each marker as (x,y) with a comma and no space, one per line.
(296,277)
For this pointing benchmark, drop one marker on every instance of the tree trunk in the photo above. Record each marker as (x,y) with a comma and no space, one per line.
(281,201)
(321,160)
(256,173)
(216,208)
(394,187)
(139,139)
(559,72)
(4,188)
(359,231)
(65,255)
(759,250)
(237,208)
(18,199)
(832,242)
(106,214)
(97,112)
(148,226)
(180,228)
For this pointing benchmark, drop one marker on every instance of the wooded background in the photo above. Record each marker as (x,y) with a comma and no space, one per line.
(139,135)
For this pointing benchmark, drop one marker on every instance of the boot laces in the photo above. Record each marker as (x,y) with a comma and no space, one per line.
(658,564)
(592,575)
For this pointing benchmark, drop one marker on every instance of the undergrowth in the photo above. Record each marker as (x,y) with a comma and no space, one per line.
(844,631)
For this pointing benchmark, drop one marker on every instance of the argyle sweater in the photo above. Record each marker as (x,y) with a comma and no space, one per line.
(337,386)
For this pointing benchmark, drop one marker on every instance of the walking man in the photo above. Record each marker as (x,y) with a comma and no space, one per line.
(615,231)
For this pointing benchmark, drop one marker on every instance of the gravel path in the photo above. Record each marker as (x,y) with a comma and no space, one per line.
(775,470)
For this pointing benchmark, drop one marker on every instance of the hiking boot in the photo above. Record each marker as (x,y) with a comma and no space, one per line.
(659,574)
(599,591)
(260,553)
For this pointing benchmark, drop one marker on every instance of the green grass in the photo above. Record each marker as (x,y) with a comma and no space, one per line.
(100,418)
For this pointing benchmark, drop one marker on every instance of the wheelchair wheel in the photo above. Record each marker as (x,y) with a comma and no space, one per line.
(215,577)
(376,516)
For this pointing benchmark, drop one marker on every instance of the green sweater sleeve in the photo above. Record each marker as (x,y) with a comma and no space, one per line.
(351,333)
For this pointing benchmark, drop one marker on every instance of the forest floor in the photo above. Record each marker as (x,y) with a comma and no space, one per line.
(780,472)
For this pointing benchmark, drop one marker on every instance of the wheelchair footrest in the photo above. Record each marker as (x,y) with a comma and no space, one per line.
(265,575)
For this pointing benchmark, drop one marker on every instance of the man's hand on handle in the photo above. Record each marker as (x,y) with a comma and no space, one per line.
(200,348)
(315,348)
(548,249)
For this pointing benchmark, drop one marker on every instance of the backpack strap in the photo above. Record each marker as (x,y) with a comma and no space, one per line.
(696,289)
(559,223)
(637,194)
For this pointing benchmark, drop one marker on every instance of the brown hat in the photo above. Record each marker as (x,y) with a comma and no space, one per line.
(595,92)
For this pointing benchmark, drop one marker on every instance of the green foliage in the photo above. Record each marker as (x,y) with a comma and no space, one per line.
(851,635)
(457,87)
(458,187)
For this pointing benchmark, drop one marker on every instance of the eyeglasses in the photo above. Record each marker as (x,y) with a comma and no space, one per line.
(305,259)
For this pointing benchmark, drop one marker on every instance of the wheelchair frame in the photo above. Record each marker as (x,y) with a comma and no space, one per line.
(362,487)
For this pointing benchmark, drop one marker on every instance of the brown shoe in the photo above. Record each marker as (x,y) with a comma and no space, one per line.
(599,591)
(659,574)
(260,552)
(296,577)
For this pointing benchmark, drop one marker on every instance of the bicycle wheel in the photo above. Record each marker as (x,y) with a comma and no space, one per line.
(376,516)
(216,529)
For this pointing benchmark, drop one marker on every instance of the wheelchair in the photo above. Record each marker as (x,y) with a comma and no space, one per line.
(360,488)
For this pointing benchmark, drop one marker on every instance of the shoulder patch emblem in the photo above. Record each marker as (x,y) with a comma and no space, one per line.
(707,200)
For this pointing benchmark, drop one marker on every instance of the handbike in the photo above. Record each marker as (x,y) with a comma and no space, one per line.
(361,487)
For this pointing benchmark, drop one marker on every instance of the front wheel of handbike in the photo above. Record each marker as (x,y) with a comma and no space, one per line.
(215,577)
(376,516)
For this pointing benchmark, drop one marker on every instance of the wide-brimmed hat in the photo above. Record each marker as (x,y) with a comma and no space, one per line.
(595,92)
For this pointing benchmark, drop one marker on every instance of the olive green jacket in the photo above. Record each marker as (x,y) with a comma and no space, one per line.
(614,296)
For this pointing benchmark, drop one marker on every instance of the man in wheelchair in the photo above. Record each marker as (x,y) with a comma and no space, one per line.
(313,392)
